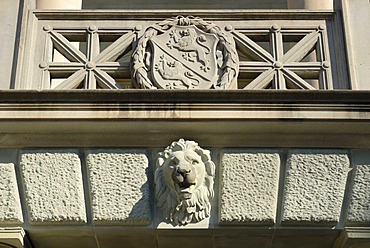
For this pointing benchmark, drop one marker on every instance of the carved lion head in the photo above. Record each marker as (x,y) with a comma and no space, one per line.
(184,182)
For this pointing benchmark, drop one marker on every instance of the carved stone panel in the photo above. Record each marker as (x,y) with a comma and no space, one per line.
(185,53)
(184,57)
(184,182)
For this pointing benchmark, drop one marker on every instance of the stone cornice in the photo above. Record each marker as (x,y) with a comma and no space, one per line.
(186,96)
(242,14)
(338,119)
(12,237)
(185,105)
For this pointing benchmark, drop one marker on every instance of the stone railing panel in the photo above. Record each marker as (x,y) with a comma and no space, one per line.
(251,50)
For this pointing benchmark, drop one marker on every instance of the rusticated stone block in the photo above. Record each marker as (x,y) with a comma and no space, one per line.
(53,187)
(119,187)
(10,206)
(314,186)
(359,207)
(249,187)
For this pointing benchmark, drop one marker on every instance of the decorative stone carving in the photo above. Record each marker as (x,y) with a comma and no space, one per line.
(184,182)
(185,53)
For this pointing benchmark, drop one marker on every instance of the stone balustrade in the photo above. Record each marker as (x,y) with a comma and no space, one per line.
(279,49)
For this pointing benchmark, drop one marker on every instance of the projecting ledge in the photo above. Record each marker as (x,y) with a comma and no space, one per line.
(12,237)
(210,105)
(113,117)
(185,96)
(353,237)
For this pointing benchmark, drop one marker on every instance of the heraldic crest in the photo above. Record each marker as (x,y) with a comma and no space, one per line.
(185,53)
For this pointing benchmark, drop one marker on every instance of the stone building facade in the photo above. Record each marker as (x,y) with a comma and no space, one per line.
(207,124)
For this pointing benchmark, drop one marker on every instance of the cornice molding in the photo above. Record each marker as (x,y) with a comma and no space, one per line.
(185,105)
(138,118)
(137,14)
(187,96)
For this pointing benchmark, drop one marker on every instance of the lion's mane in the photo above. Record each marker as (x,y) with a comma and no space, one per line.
(198,206)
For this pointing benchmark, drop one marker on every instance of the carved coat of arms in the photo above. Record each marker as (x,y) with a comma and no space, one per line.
(184,53)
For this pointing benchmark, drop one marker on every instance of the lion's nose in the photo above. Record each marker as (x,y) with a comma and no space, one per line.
(184,171)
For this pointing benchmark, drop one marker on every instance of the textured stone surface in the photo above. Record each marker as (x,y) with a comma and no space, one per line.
(119,187)
(314,186)
(10,206)
(359,207)
(249,187)
(53,187)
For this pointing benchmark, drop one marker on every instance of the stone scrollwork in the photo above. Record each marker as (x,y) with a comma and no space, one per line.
(185,53)
(184,182)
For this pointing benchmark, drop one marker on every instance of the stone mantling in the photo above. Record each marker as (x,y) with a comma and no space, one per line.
(119,187)
(10,206)
(249,187)
(314,186)
(359,207)
(53,187)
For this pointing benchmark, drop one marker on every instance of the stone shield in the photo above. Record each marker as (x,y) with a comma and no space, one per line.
(184,57)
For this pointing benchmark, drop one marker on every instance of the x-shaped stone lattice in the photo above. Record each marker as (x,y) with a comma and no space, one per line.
(91,69)
(277,67)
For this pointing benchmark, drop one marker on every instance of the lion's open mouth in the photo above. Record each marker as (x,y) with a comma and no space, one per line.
(185,185)
(185,188)
(182,182)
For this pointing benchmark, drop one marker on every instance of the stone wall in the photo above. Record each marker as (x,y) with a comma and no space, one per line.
(68,187)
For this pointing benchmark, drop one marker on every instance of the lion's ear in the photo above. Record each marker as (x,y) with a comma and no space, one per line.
(160,160)
(210,168)
(206,158)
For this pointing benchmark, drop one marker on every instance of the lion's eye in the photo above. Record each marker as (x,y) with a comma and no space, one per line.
(194,162)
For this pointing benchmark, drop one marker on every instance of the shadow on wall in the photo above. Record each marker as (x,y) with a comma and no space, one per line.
(139,213)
